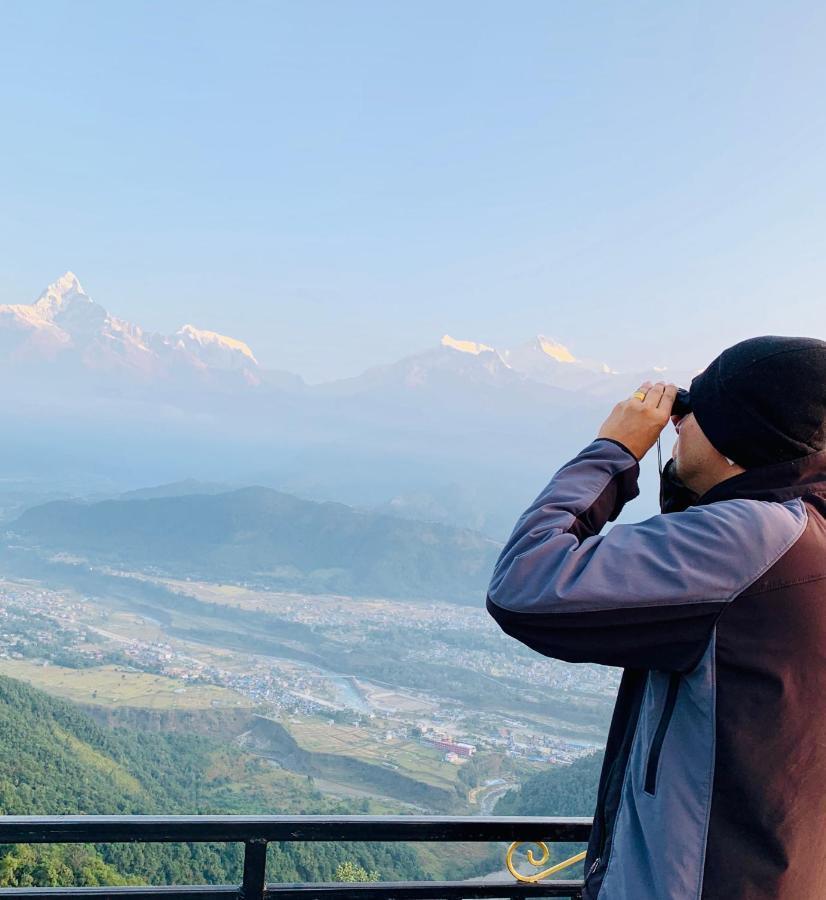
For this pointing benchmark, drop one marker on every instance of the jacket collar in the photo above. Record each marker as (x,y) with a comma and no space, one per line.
(780,481)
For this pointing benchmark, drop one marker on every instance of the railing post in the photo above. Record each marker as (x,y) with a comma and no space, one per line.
(255,869)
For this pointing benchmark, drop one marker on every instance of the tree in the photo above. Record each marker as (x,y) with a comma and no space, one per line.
(350,871)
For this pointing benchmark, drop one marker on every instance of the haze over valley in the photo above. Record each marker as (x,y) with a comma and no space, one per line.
(202,548)
(461,434)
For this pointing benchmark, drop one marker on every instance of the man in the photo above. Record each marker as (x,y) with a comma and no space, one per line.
(713,785)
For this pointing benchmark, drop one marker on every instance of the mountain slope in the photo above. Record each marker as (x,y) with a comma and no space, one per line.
(561,791)
(55,760)
(264,536)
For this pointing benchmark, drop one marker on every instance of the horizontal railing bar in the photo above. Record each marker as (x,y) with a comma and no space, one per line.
(424,890)
(416,890)
(166,892)
(198,829)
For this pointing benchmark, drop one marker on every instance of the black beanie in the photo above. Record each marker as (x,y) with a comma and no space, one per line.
(763,400)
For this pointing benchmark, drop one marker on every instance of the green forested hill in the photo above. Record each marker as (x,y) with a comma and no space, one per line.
(560,791)
(268,537)
(55,760)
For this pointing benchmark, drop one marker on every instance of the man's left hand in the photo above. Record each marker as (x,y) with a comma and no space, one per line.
(637,423)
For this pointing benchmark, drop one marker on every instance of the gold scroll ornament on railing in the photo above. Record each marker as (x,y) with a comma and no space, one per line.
(537,862)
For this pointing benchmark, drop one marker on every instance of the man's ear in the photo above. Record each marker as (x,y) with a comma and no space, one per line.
(731,462)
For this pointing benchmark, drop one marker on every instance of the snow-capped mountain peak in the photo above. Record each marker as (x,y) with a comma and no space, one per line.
(466,346)
(216,349)
(555,350)
(59,295)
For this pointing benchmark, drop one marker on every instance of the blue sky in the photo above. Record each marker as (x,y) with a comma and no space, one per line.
(341,183)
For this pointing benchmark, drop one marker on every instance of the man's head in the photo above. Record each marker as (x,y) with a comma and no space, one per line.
(760,402)
(696,462)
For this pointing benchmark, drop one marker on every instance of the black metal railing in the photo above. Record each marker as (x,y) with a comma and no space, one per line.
(256,832)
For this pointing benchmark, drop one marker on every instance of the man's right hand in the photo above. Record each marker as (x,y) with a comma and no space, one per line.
(637,423)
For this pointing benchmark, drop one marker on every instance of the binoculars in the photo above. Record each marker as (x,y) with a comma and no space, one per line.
(682,403)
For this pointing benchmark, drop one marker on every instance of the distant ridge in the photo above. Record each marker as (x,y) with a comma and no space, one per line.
(177,489)
(265,537)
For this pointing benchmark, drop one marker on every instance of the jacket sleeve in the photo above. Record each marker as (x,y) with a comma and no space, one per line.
(641,596)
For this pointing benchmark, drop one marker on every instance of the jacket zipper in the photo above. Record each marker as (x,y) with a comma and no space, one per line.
(659,735)
(593,866)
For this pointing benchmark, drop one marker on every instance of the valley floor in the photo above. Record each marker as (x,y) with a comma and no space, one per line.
(403,705)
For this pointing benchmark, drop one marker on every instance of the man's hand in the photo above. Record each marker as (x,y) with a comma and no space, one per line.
(637,423)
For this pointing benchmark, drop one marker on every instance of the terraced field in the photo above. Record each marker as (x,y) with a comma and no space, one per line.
(410,758)
(113,686)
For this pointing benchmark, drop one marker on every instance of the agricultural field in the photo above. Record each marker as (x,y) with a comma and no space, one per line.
(410,757)
(113,686)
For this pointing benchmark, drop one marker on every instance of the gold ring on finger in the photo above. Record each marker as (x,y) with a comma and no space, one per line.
(639,395)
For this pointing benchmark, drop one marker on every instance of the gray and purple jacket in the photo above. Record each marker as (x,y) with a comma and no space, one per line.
(713,785)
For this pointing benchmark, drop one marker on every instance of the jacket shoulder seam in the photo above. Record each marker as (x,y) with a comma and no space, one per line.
(784,584)
(792,540)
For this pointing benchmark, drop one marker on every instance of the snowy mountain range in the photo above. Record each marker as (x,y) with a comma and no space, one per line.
(461,433)
(65,328)
(65,325)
